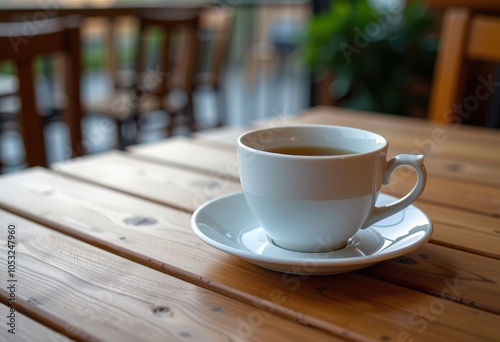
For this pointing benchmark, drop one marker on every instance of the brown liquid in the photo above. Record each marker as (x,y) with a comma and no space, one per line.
(310,150)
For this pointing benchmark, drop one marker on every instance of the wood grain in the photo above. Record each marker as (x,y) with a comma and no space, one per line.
(464,230)
(409,129)
(90,294)
(351,305)
(440,271)
(179,188)
(180,151)
(478,198)
(226,135)
(458,168)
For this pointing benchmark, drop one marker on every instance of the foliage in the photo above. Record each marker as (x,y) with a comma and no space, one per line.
(375,54)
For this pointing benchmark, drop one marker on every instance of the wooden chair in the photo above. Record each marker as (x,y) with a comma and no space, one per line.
(156,80)
(465,36)
(215,28)
(23,42)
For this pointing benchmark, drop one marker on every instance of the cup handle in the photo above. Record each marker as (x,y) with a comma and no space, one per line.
(417,163)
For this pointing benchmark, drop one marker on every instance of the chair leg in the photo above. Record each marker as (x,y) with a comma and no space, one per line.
(32,124)
(119,135)
(221,107)
(127,132)
(190,114)
(135,120)
(171,125)
(493,120)
(1,164)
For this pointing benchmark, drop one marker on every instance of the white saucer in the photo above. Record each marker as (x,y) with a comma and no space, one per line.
(227,224)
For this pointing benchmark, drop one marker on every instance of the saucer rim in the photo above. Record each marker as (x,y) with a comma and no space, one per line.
(326,262)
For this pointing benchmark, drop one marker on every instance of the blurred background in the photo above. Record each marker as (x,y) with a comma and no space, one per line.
(276,59)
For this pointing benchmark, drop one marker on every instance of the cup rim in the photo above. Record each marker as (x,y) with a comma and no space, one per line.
(309,157)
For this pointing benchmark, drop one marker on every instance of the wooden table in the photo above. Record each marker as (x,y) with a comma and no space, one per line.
(104,250)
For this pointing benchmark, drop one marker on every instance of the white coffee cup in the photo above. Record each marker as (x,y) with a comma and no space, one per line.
(313,203)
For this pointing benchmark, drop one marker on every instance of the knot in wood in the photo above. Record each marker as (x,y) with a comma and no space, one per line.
(405,260)
(140,221)
(162,311)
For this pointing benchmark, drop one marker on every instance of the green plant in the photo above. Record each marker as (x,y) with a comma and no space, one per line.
(378,56)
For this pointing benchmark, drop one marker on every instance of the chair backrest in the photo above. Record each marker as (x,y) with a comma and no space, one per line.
(464,36)
(215,28)
(178,48)
(23,42)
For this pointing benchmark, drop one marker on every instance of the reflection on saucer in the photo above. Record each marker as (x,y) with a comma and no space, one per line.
(363,243)
(227,224)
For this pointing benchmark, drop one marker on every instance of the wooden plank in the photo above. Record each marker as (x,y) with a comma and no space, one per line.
(226,135)
(462,151)
(463,230)
(351,304)
(93,295)
(412,128)
(457,167)
(26,329)
(435,268)
(183,189)
(180,151)
(471,197)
